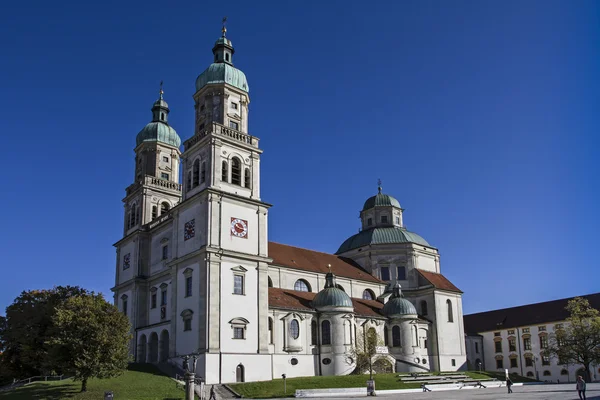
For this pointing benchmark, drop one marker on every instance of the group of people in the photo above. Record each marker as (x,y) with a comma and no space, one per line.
(580,386)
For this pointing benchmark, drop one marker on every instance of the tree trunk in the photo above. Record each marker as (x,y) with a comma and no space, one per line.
(84,385)
(587,373)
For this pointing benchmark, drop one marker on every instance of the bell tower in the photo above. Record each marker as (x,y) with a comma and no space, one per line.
(156,188)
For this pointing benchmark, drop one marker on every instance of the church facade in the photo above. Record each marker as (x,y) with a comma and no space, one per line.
(196,273)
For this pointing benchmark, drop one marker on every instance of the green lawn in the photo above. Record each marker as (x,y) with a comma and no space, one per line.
(274,388)
(141,381)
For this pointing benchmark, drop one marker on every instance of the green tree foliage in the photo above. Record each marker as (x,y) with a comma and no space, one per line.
(27,328)
(577,342)
(94,338)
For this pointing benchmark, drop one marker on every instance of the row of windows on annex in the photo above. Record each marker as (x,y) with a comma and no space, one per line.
(530,359)
(512,341)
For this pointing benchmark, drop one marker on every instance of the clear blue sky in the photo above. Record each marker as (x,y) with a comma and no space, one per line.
(481,117)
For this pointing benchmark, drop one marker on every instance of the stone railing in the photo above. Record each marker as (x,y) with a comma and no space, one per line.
(220,130)
(162,183)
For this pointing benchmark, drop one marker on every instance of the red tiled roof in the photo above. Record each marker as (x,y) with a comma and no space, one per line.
(315,261)
(530,314)
(439,281)
(295,300)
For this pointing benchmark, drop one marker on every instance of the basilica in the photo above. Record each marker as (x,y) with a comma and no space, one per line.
(197,274)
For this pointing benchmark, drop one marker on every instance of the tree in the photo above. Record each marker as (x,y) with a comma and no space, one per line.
(94,338)
(577,342)
(26,330)
(365,350)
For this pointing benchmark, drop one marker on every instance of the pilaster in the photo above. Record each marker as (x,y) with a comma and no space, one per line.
(214,305)
(263,308)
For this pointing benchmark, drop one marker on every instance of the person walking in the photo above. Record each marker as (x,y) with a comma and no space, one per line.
(213,396)
(580,387)
(509,384)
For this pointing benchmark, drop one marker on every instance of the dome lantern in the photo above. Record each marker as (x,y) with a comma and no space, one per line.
(158,130)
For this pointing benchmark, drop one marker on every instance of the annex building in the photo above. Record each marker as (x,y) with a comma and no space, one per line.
(196,272)
(514,338)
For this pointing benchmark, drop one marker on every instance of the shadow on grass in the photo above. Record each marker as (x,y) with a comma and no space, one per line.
(55,392)
(145,368)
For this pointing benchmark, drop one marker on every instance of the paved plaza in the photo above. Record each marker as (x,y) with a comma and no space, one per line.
(538,392)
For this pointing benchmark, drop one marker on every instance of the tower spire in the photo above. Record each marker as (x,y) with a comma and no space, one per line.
(161,92)
(224,28)
(379,185)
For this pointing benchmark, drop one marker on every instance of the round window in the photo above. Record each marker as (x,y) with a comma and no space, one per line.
(294,361)
(294,329)
(417,360)
(327,361)
(424,361)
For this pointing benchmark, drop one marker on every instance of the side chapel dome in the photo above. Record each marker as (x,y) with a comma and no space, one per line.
(331,297)
(397,306)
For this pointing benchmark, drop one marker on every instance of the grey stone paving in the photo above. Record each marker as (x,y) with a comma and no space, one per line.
(537,392)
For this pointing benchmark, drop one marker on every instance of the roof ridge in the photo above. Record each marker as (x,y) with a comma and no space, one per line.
(533,304)
(304,248)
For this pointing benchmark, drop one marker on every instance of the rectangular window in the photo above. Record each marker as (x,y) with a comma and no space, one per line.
(545,360)
(125,307)
(528,362)
(496,334)
(163,298)
(401,273)
(153,301)
(165,159)
(369,221)
(513,363)
(544,342)
(238,333)
(453,362)
(541,328)
(558,326)
(397,220)
(527,343)
(498,346)
(165,252)
(384,219)
(233,125)
(164,175)
(511,331)
(525,330)
(188,286)
(512,345)
(238,284)
(477,348)
(234,106)
(202,107)
(499,364)
(187,324)
(385,273)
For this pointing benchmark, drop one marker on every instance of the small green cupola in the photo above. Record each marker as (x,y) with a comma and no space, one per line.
(397,306)
(332,298)
(158,130)
(223,49)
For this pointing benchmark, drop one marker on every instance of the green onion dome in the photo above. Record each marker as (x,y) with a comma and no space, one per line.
(379,200)
(159,130)
(331,297)
(397,306)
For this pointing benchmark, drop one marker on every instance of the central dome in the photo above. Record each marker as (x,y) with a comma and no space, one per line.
(380,199)
(223,73)
(381,235)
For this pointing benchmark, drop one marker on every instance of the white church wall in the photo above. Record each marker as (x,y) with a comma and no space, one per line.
(194,214)
(426,262)
(234,210)
(127,253)
(154,313)
(187,341)
(257,367)
(294,365)
(239,306)
(450,335)
(160,239)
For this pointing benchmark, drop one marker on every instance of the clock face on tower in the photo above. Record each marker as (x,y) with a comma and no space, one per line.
(239,228)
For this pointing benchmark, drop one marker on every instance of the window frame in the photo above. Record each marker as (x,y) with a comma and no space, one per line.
(386,268)
(243,284)
(300,282)
(165,176)
(326,333)
(294,327)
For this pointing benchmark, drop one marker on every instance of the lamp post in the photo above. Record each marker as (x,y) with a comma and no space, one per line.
(537,375)
(479,365)
(284,384)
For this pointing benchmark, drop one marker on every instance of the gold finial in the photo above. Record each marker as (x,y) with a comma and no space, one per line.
(224,29)
(161,90)
(379,185)
(329,266)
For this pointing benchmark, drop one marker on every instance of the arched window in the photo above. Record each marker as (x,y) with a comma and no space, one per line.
(133,214)
(269,282)
(396,336)
(189,180)
(302,286)
(224,172)
(154,212)
(196,170)
(270,330)
(423,307)
(314,332)
(294,329)
(164,208)
(203,173)
(529,373)
(416,333)
(236,171)
(162,116)
(247,177)
(547,373)
(368,294)
(226,56)
(325,332)
(450,315)
(239,373)
(386,332)
(564,372)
